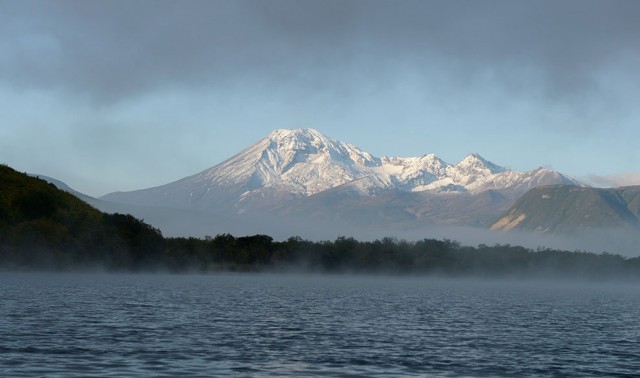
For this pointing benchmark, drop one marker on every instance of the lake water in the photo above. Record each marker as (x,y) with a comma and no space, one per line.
(84,325)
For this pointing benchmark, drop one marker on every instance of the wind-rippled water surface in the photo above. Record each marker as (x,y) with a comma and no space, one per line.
(66,325)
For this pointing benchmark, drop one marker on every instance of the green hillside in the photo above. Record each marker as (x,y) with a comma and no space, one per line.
(569,209)
(43,227)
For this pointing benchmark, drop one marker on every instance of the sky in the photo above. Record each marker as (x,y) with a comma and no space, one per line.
(122,95)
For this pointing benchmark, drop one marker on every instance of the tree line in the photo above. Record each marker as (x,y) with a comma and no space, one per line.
(133,246)
(391,256)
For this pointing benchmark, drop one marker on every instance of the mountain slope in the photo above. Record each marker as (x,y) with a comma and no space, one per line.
(44,227)
(289,166)
(565,209)
(400,210)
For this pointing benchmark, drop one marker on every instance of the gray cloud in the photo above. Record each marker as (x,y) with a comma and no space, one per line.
(620,179)
(117,49)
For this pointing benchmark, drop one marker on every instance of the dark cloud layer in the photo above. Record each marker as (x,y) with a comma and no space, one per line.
(110,50)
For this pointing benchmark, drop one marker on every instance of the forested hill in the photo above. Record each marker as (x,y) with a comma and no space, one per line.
(44,228)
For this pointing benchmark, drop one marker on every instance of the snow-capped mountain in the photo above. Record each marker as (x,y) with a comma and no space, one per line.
(300,161)
(296,164)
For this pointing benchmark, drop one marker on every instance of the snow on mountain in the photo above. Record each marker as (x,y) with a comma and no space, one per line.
(411,173)
(471,169)
(299,163)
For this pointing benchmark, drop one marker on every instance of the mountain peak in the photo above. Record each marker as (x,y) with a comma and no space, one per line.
(475,162)
(302,134)
(299,161)
(301,143)
(309,144)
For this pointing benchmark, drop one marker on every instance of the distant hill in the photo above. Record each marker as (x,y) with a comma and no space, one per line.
(64,187)
(566,209)
(42,226)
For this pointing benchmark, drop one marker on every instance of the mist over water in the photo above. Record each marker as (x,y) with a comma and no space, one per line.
(72,325)
(185,223)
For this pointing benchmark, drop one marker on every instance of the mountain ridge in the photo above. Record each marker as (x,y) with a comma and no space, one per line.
(295,164)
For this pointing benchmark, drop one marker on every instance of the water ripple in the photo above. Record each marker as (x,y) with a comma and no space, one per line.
(69,325)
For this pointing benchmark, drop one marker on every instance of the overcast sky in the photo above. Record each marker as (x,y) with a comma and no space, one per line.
(123,95)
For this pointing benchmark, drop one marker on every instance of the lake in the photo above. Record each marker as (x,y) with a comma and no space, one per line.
(255,325)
